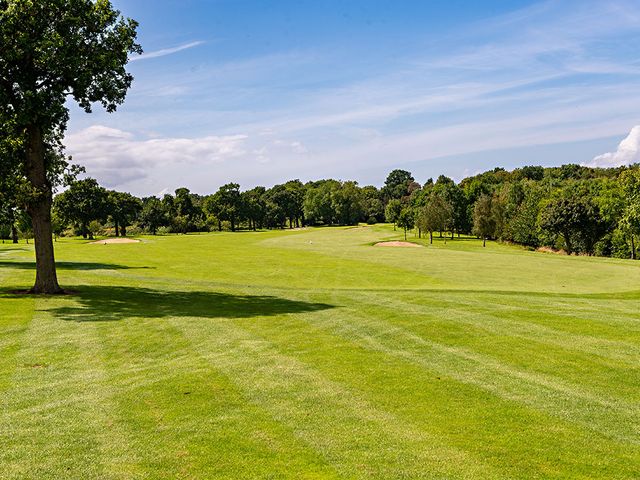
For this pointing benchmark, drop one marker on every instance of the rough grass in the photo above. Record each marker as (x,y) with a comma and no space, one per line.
(310,354)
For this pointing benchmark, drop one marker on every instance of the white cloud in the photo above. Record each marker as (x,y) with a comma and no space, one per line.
(146,165)
(166,51)
(116,157)
(628,152)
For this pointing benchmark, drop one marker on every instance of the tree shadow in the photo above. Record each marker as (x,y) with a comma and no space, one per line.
(69,266)
(114,303)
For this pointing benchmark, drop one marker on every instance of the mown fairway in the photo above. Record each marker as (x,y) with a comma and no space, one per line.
(312,354)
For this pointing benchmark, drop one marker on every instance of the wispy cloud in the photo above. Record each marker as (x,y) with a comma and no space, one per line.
(166,51)
(556,72)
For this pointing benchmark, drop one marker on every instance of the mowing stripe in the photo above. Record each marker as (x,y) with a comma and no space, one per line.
(610,417)
(359,439)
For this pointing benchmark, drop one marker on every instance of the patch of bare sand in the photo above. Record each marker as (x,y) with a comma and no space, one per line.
(111,241)
(397,244)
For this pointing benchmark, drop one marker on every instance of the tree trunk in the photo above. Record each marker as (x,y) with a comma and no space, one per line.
(117,229)
(14,234)
(484,241)
(40,212)
(567,242)
(430,237)
(633,248)
(123,230)
(405,234)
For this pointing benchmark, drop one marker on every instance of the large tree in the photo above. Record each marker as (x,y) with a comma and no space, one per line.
(50,51)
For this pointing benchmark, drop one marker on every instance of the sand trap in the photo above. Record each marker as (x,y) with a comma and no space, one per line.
(110,241)
(397,244)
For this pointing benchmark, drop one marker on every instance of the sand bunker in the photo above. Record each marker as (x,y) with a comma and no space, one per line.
(397,244)
(110,241)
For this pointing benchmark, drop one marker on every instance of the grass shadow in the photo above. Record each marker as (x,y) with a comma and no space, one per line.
(70,266)
(115,303)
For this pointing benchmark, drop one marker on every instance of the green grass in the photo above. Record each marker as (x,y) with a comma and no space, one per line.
(311,354)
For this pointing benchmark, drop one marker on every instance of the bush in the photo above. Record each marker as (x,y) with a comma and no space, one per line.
(163,230)
(372,220)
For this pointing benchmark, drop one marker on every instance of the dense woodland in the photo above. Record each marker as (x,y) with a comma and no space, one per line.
(572,208)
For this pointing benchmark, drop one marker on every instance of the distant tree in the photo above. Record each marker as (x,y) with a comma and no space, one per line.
(453,195)
(279,203)
(630,221)
(392,211)
(82,203)
(153,214)
(123,209)
(484,222)
(346,201)
(226,205)
(523,222)
(318,203)
(294,205)
(25,227)
(433,215)
(406,220)
(529,173)
(576,219)
(254,207)
(396,185)
(372,204)
(57,224)
(185,209)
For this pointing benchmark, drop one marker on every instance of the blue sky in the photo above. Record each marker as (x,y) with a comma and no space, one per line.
(259,92)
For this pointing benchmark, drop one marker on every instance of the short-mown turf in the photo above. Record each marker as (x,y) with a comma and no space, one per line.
(310,354)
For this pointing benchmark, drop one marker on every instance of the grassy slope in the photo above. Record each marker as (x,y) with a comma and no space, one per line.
(314,355)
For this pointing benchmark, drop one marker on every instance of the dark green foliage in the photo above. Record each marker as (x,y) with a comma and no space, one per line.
(225,205)
(396,185)
(84,202)
(153,214)
(254,207)
(576,220)
(123,210)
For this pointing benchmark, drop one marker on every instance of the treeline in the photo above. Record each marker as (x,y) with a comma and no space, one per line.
(574,208)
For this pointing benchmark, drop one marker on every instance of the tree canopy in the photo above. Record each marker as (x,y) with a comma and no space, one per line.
(51,51)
